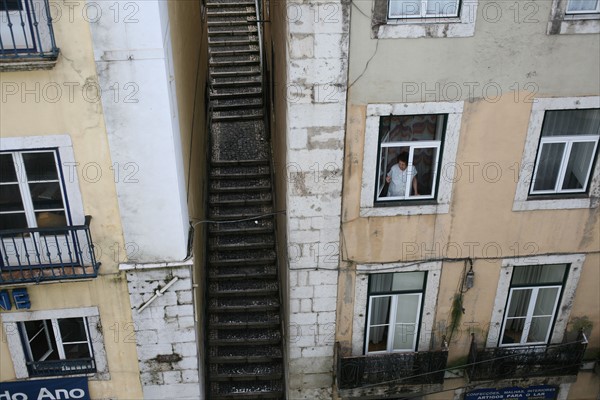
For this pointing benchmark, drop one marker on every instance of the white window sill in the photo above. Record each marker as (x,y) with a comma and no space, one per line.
(404,210)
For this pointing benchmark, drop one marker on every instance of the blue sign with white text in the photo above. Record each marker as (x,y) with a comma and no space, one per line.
(46,389)
(542,392)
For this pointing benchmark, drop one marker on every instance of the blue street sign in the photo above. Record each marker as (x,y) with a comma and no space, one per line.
(46,389)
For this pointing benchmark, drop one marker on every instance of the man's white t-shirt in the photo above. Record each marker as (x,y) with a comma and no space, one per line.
(398,183)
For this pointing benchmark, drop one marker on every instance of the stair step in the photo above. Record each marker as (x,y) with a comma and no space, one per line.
(252,353)
(240,202)
(250,60)
(236,83)
(238,105)
(241,262)
(238,117)
(225,214)
(214,4)
(228,22)
(242,246)
(254,303)
(248,11)
(243,272)
(237,337)
(232,319)
(230,41)
(260,226)
(246,371)
(229,95)
(247,390)
(235,74)
(230,31)
(238,52)
(242,288)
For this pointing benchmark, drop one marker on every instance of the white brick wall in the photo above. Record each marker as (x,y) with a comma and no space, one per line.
(165,333)
(317,71)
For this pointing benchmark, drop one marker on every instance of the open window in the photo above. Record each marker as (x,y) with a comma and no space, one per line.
(409,154)
(423,8)
(533,298)
(567,151)
(394,311)
(57,346)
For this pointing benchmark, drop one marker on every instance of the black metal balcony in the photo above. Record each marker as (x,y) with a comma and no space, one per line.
(61,367)
(26,34)
(526,361)
(44,254)
(421,368)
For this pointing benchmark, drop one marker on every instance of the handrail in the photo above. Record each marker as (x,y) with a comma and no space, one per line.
(259,30)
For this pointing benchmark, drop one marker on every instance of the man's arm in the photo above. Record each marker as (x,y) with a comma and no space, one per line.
(414,184)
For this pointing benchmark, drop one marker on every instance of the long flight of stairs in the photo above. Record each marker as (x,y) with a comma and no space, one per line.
(244,354)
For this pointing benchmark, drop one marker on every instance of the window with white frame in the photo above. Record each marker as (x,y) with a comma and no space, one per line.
(402,19)
(426,136)
(423,8)
(583,6)
(31,190)
(57,346)
(574,17)
(395,302)
(567,151)
(58,342)
(533,298)
(409,154)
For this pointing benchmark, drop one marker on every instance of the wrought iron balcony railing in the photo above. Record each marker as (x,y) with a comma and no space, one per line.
(421,368)
(526,361)
(26,32)
(43,254)
(61,367)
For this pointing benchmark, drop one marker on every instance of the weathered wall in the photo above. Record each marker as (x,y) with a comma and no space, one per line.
(497,73)
(190,54)
(317,50)
(66,101)
(141,131)
(509,51)
(165,331)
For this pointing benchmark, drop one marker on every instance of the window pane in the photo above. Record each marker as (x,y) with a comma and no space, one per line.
(578,166)
(538,331)
(442,7)
(40,166)
(519,302)
(411,128)
(548,166)
(404,337)
(378,337)
(40,337)
(408,308)
(571,122)
(582,5)
(400,8)
(408,281)
(46,196)
(72,330)
(532,274)
(51,219)
(13,221)
(380,310)
(10,198)
(546,298)
(76,351)
(7,166)
(380,283)
(424,162)
(513,330)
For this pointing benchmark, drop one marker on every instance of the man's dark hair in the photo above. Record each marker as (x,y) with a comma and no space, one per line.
(403,157)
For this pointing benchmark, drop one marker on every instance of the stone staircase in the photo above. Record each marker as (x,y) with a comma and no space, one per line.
(245,350)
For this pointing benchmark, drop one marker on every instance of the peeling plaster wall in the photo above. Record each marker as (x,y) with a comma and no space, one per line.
(317,53)
(165,332)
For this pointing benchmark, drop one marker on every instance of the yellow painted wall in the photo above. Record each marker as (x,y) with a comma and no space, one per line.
(75,109)
(480,222)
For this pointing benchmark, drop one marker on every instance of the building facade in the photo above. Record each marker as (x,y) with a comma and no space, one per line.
(100,140)
(444,286)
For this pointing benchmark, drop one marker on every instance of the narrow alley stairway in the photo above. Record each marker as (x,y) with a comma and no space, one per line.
(245,356)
